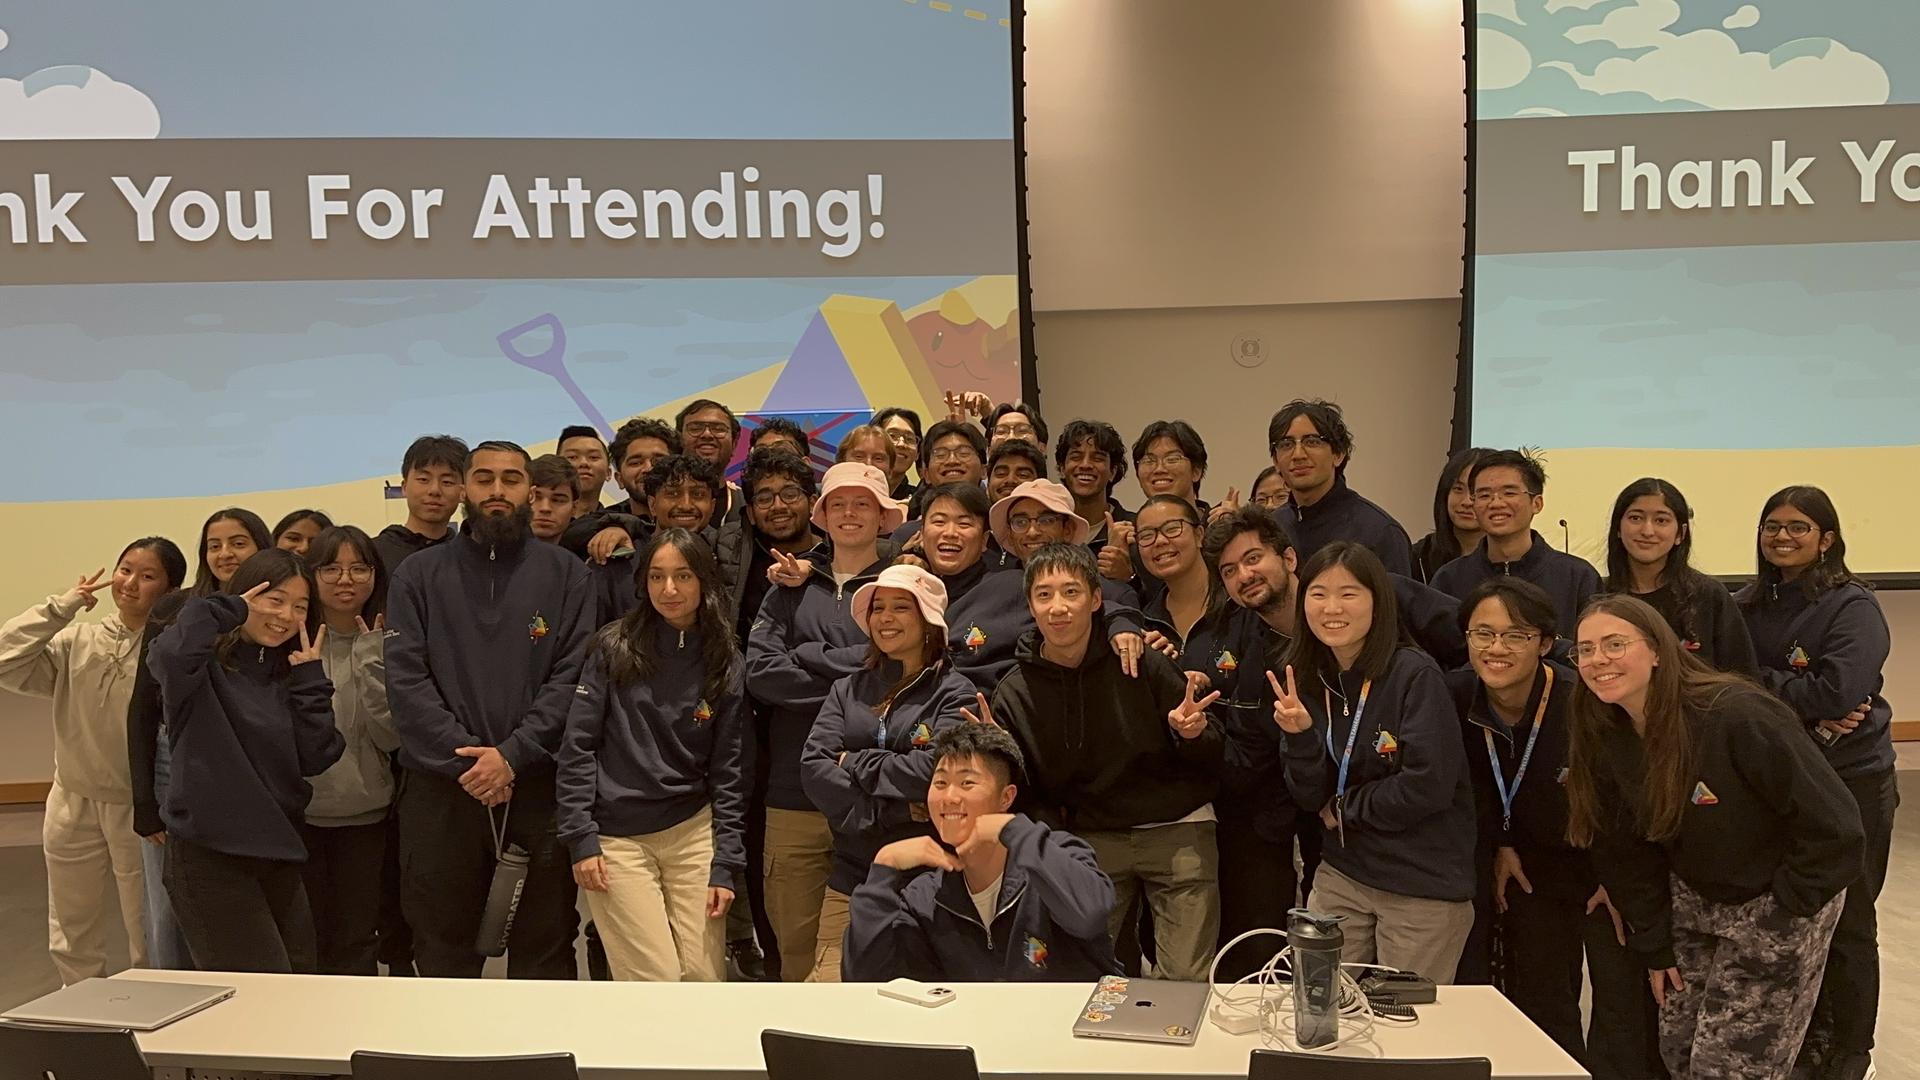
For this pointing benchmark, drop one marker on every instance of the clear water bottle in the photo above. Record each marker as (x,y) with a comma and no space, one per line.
(1316,941)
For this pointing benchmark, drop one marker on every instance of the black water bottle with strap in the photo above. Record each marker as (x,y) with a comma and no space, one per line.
(503,895)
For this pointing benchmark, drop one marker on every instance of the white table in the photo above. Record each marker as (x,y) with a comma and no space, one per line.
(711,1031)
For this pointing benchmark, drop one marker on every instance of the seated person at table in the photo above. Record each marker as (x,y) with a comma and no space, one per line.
(1012,901)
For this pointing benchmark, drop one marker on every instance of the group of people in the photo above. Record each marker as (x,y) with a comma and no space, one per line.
(986,724)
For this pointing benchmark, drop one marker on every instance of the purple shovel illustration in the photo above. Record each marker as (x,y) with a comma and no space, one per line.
(552,362)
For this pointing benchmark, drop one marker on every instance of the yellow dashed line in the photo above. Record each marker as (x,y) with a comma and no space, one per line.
(940,5)
(972,14)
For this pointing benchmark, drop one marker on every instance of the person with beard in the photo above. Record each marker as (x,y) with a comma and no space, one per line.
(1508,493)
(708,431)
(480,703)
(802,641)
(581,447)
(1092,460)
(1311,446)
(601,531)
(1013,462)
(1456,528)
(555,491)
(430,475)
(902,427)
(954,452)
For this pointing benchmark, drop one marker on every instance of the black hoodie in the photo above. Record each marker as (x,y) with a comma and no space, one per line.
(1537,829)
(1099,751)
(1344,514)
(397,543)
(1568,580)
(1710,625)
(1823,656)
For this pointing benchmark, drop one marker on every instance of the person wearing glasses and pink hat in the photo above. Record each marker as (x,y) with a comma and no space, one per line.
(802,641)
(869,760)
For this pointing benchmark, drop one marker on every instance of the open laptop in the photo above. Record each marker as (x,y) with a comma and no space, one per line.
(1143,1010)
(137,1004)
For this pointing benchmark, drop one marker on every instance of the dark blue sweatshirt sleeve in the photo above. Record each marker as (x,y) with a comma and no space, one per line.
(1732,644)
(1394,548)
(1120,603)
(429,732)
(905,777)
(1431,619)
(577,779)
(1823,823)
(1061,867)
(728,777)
(1432,760)
(773,673)
(885,938)
(1844,671)
(536,738)
(181,656)
(830,787)
(316,738)
(1309,769)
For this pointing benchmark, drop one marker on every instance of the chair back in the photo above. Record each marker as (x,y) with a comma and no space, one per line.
(792,1056)
(42,1051)
(373,1065)
(1284,1065)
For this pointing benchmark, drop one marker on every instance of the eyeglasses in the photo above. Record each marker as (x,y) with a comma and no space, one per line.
(1482,638)
(1795,529)
(790,495)
(707,428)
(953,453)
(1505,494)
(1022,522)
(1272,500)
(1286,443)
(1172,460)
(903,437)
(1172,530)
(358,574)
(1612,648)
(1013,431)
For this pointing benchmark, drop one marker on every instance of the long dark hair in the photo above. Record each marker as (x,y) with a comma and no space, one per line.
(1679,689)
(627,646)
(274,567)
(1312,661)
(318,517)
(1829,571)
(326,547)
(1444,545)
(204,583)
(1679,575)
(933,653)
(172,562)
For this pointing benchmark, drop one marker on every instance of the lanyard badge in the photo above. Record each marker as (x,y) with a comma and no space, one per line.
(1507,794)
(1346,756)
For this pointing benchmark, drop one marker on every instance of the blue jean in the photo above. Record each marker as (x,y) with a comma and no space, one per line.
(166,945)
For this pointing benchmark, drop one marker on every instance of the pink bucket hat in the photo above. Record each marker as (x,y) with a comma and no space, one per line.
(1048,493)
(853,474)
(929,591)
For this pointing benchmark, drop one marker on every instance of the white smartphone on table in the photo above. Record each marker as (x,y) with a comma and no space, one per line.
(925,995)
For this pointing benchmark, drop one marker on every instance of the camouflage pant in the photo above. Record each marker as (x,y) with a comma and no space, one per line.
(1753,973)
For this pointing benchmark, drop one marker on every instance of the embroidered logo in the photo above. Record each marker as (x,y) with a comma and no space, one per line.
(1704,796)
(1225,663)
(1797,658)
(1036,952)
(536,629)
(702,712)
(975,638)
(921,734)
(1385,743)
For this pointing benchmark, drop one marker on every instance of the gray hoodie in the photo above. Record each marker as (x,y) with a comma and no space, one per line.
(358,788)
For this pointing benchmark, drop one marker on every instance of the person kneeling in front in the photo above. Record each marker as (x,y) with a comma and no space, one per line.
(1007,899)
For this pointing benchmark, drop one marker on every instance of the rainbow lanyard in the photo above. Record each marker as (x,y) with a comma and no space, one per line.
(1493,758)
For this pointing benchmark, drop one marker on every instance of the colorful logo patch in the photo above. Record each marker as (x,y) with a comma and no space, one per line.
(1225,663)
(1797,658)
(1704,796)
(921,734)
(702,712)
(1036,952)
(1385,743)
(537,629)
(975,638)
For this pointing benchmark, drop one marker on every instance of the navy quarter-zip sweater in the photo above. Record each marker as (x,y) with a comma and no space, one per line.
(1568,580)
(803,640)
(1538,831)
(1710,626)
(650,753)
(1409,806)
(1050,924)
(1823,656)
(889,760)
(483,649)
(1344,514)
(987,615)
(1234,648)
(243,738)
(1766,816)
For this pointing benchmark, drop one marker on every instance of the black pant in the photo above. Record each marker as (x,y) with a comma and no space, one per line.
(396,938)
(446,867)
(343,889)
(239,913)
(756,837)
(1850,989)
(1543,937)
(1256,889)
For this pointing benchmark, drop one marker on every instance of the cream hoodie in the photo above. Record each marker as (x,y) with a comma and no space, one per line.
(87,669)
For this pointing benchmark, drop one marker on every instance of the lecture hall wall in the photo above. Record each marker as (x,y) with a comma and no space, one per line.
(1286,174)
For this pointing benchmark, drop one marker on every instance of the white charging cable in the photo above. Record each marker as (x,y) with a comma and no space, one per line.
(1268,1008)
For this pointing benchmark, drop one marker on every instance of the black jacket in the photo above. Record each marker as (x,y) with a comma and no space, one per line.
(1568,580)
(397,543)
(1824,656)
(626,515)
(987,614)
(1099,751)
(1234,648)
(146,716)
(1710,625)
(1766,815)
(1408,806)
(1538,828)
(1344,514)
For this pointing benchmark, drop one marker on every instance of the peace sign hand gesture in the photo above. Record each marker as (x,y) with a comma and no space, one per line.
(1189,718)
(1288,712)
(984,716)
(379,624)
(786,570)
(87,586)
(1225,506)
(310,648)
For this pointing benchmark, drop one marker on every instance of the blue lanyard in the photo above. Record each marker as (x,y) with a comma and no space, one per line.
(1493,759)
(1346,757)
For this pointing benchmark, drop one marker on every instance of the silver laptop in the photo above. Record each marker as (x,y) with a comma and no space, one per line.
(120,1003)
(1143,1010)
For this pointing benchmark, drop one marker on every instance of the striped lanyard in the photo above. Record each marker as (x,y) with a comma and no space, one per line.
(1507,794)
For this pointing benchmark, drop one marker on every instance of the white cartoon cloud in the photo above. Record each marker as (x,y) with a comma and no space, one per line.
(1538,110)
(1743,16)
(75,102)
(3,39)
(1708,68)
(1499,60)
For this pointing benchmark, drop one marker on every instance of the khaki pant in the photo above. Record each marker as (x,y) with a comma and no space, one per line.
(835,917)
(799,857)
(1406,932)
(92,855)
(1177,866)
(653,916)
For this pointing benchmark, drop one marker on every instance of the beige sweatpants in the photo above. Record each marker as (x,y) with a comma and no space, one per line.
(93,854)
(653,916)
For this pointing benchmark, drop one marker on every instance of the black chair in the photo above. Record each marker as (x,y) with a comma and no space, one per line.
(1282,1065)
(43,1051)
(792,1056)
(372,1065)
